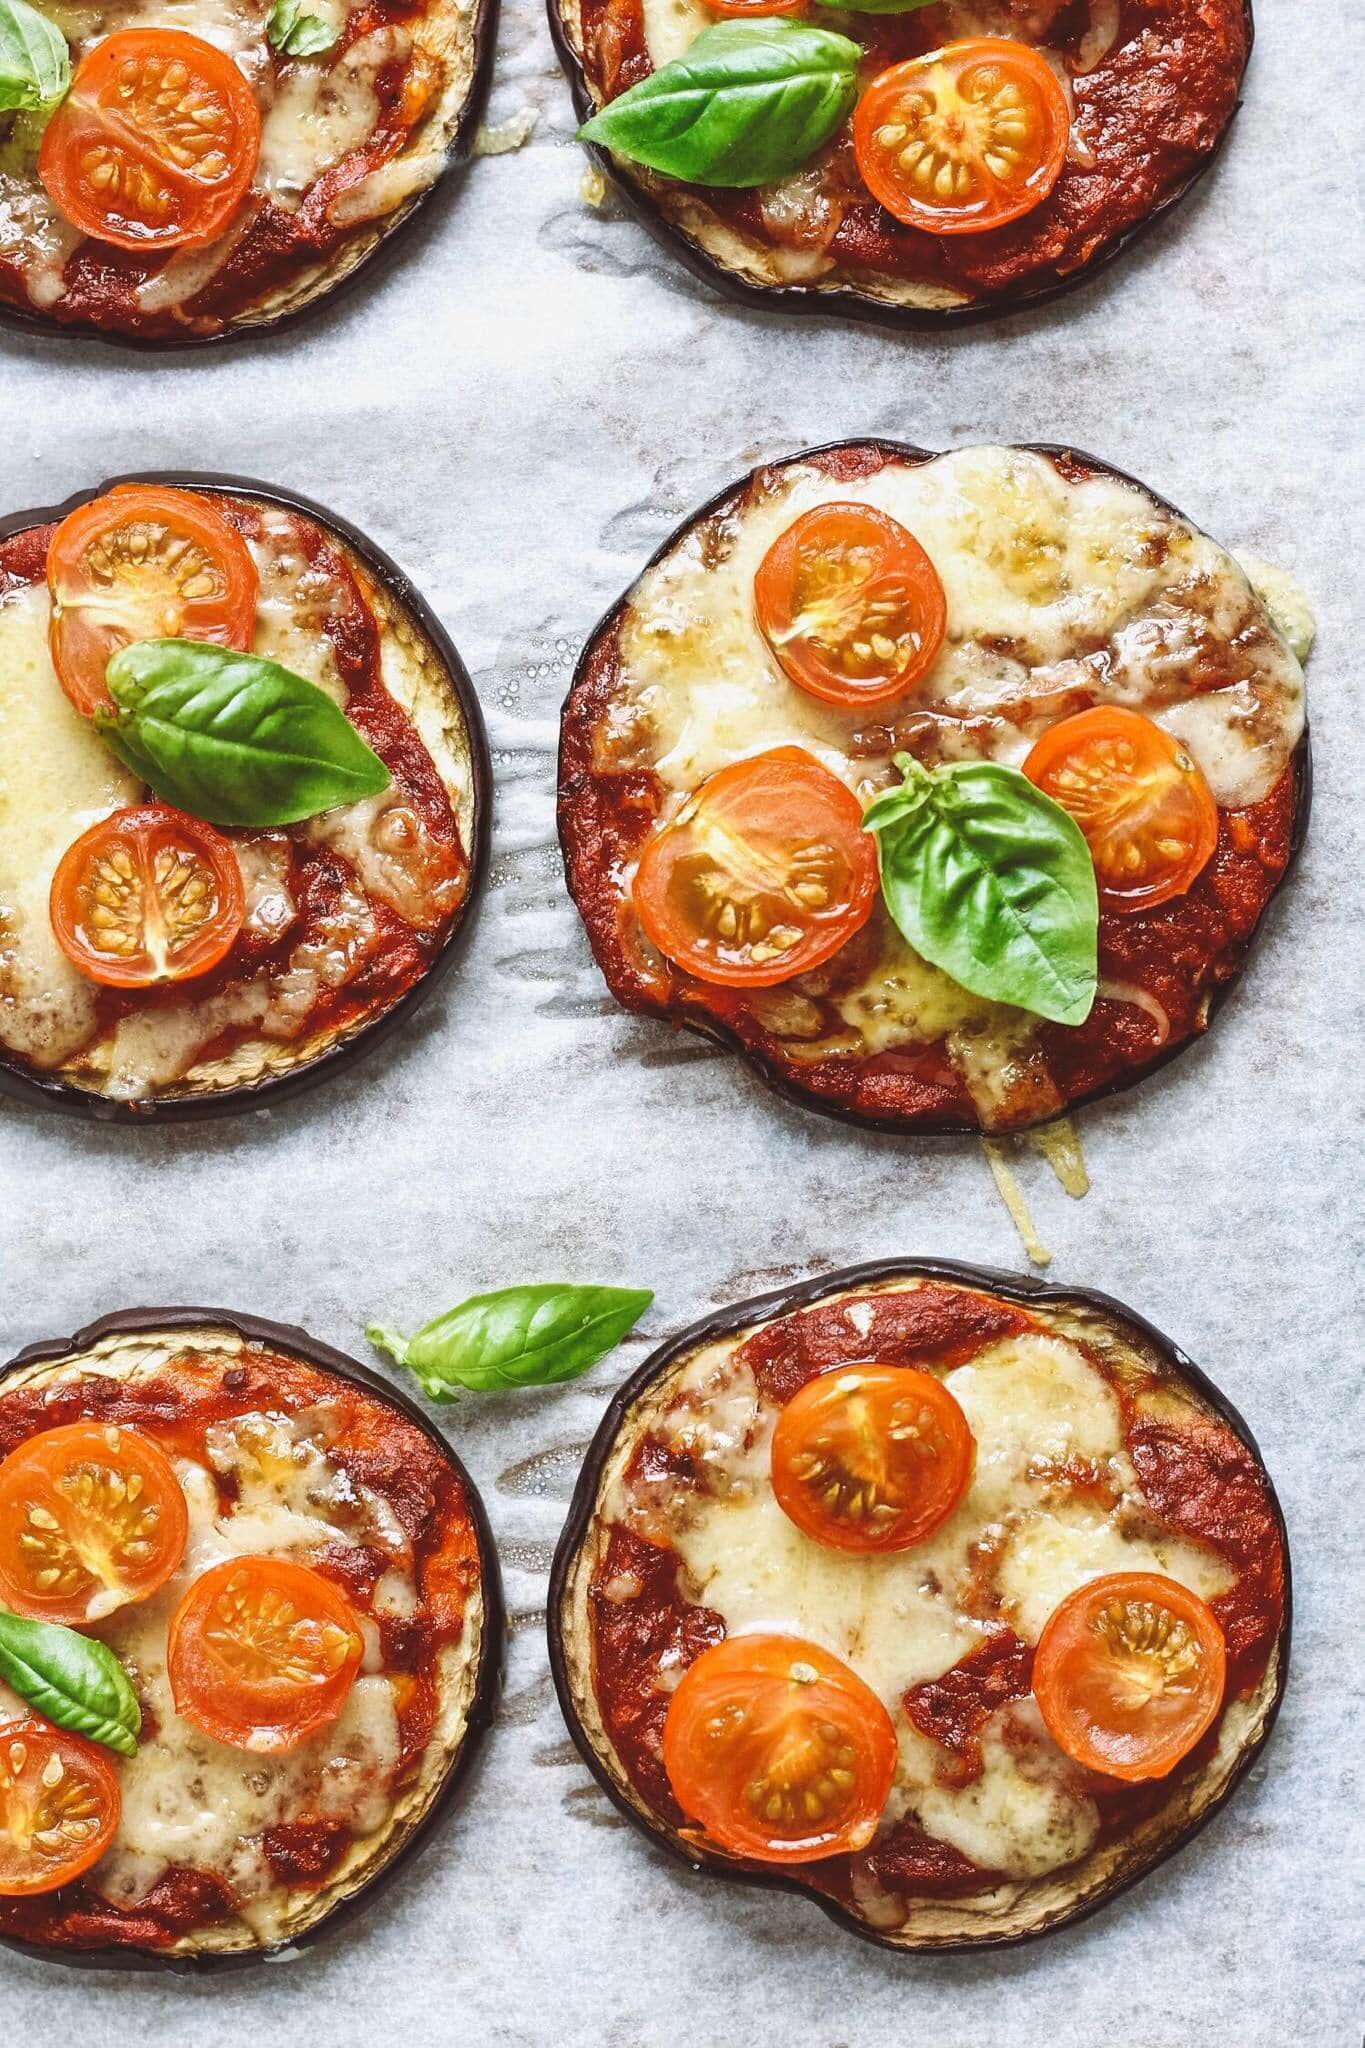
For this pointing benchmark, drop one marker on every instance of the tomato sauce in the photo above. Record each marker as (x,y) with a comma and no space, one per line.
(378,1448)
(1178,957)
(1147,116)
(319,880)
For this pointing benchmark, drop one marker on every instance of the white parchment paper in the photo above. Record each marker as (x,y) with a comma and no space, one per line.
(519,411)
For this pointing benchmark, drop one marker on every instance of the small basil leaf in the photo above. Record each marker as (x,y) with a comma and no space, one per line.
(296,34)
(233,738)
(35,64)
(748,102)
(993,882)
(71,1679)
(518,1337)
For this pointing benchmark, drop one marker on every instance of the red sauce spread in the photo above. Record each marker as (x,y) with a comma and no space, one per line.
(378,1448)
(1177,956)
(319,881)
(270,248)
(1147,116)
(1197,1477)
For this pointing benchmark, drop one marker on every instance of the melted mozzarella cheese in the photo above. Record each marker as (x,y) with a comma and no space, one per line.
(1035,1405)
(56,780)
(318,118)
(190,1800)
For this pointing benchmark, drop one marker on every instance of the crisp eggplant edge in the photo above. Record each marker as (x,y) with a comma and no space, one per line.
(846,302)
(711,1028)
(25,1085)
(375,252)
(762,1308)
(492,1655)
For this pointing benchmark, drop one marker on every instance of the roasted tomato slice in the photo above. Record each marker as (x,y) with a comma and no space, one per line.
(1148,815)
(144,562)
(92,1517)
(59,1807)
(965,138)
(1129,1674)
(765,872)
(148,895)
(156,142)
(779,1750)
(871,1457)
(262,1653)
(850,605)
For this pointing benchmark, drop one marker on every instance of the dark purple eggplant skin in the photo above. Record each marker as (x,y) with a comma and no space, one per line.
(24,1085)
(719,1033)
(297,1343)
(371,269)
(1012,1287)
(848,303)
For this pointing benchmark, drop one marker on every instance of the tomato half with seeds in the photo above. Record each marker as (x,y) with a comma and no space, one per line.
(262,1653)
(149,895)
(155,144)
(779,1750)
(871,1457)
(59,1807)
(965,138)
(92,1518)
(764,873)
(1129,1674)
(850,604)
(143,562)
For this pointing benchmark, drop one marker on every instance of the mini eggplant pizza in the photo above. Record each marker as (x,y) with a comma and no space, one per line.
(184,171)
(912,163)
(245,802)
(955,1602)
(949,790)
(251,1629)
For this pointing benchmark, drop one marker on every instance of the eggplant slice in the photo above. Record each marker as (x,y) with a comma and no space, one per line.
(1014,1910)
(424,672)
(609,797)
(745,268)
(459,44)
(135,1343)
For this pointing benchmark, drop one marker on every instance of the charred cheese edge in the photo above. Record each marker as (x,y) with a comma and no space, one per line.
(57,778)
(190,1800)
(318,110)
(899,1620)
(1050,581)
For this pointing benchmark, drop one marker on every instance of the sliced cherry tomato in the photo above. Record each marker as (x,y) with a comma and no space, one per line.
(871,1457)
(92,1517)
(148,895)
(738,9)
(850,605)
(262,1653)
(1148,815)
(59,1807)
(779,1750)
(965,138)
(155,144)
(1128,1674)
(764,873)
(143,562)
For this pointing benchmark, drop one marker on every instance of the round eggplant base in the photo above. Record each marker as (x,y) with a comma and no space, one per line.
(484,1692)
(936,1926)
(334,1056)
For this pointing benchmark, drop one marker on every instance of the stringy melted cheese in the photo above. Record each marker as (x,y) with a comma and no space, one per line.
(1053,587)
(1033,1402)
(189,1800)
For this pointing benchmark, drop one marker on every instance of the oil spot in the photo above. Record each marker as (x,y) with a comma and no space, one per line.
(545,1475)
(521,1709)
(761,1279)
(590,1803)
(527,1557)
(525,1618)
(554,1755)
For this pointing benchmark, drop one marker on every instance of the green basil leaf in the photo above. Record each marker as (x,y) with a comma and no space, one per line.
(993,882)
(35,64)
(296,34)
(518,1337)
(233,738)
(71,1679)
(748,102)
